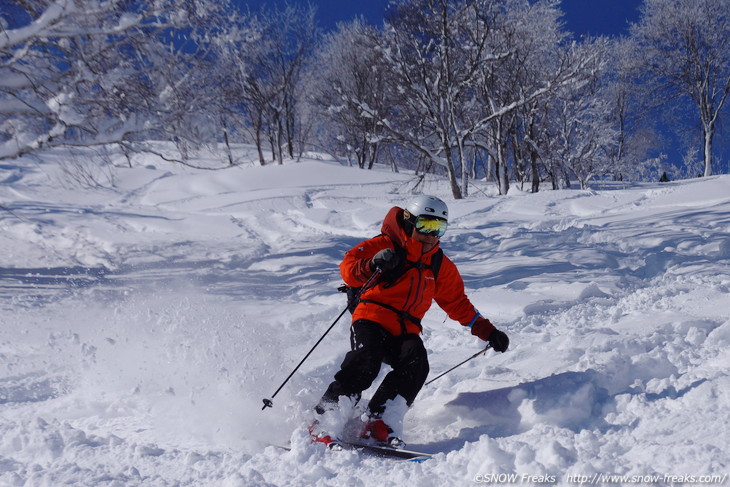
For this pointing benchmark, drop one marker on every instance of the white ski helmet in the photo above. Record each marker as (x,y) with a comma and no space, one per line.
(427,205)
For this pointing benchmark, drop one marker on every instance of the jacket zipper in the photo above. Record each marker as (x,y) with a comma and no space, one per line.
(419,282)
(408,296)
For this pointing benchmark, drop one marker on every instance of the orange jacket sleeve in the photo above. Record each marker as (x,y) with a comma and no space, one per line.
(355,266)
(450,294)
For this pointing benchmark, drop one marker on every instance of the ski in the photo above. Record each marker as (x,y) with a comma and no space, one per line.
(386,451)
(373,450)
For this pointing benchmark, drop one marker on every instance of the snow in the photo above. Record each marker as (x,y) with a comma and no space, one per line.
(142,324)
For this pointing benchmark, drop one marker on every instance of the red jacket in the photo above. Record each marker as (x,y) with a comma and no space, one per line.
(412,292)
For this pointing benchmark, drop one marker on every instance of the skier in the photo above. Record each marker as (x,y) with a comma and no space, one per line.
(386,324)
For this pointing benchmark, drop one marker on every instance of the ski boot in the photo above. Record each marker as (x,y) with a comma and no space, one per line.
(377,430)
(318,435)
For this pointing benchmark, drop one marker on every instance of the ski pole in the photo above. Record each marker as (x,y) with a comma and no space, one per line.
(269,402)
(460,364)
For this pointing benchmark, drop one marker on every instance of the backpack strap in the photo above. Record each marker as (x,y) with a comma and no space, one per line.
(402,315)
(391,277)
(394,275)
(435,264)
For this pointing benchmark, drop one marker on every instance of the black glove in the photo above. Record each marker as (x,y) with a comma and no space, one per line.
(499,340)
(384,260)
(485,330)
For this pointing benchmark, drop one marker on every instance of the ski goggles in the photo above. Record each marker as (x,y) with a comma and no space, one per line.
(429,225)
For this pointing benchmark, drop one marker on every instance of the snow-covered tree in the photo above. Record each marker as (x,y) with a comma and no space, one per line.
(349,73)
(685,48)
(65,71)
(92,72)
(516,89)
(268,74)
(434,50)
(581,130)
(630,107)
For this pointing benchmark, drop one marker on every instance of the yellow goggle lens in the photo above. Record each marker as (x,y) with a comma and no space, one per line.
(431,226)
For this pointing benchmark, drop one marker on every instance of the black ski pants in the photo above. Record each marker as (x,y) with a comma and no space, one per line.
(371,346)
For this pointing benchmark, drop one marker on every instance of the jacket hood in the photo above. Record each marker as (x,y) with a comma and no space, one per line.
(394,226)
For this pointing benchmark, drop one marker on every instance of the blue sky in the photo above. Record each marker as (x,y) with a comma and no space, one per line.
(582,17)
(600,17)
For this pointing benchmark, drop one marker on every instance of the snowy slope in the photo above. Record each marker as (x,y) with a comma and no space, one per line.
(141,325)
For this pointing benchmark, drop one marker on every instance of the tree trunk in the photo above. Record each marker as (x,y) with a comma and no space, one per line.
(708,132)
(455,190)
(503,179)
(501,164)
(564,179)
(279,141)
(464,171)
(374,156)
(535,172)
(534,157)
(258,141)
(489,170)
(228,145)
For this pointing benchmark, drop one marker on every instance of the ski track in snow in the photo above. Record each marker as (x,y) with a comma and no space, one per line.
(143,322)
